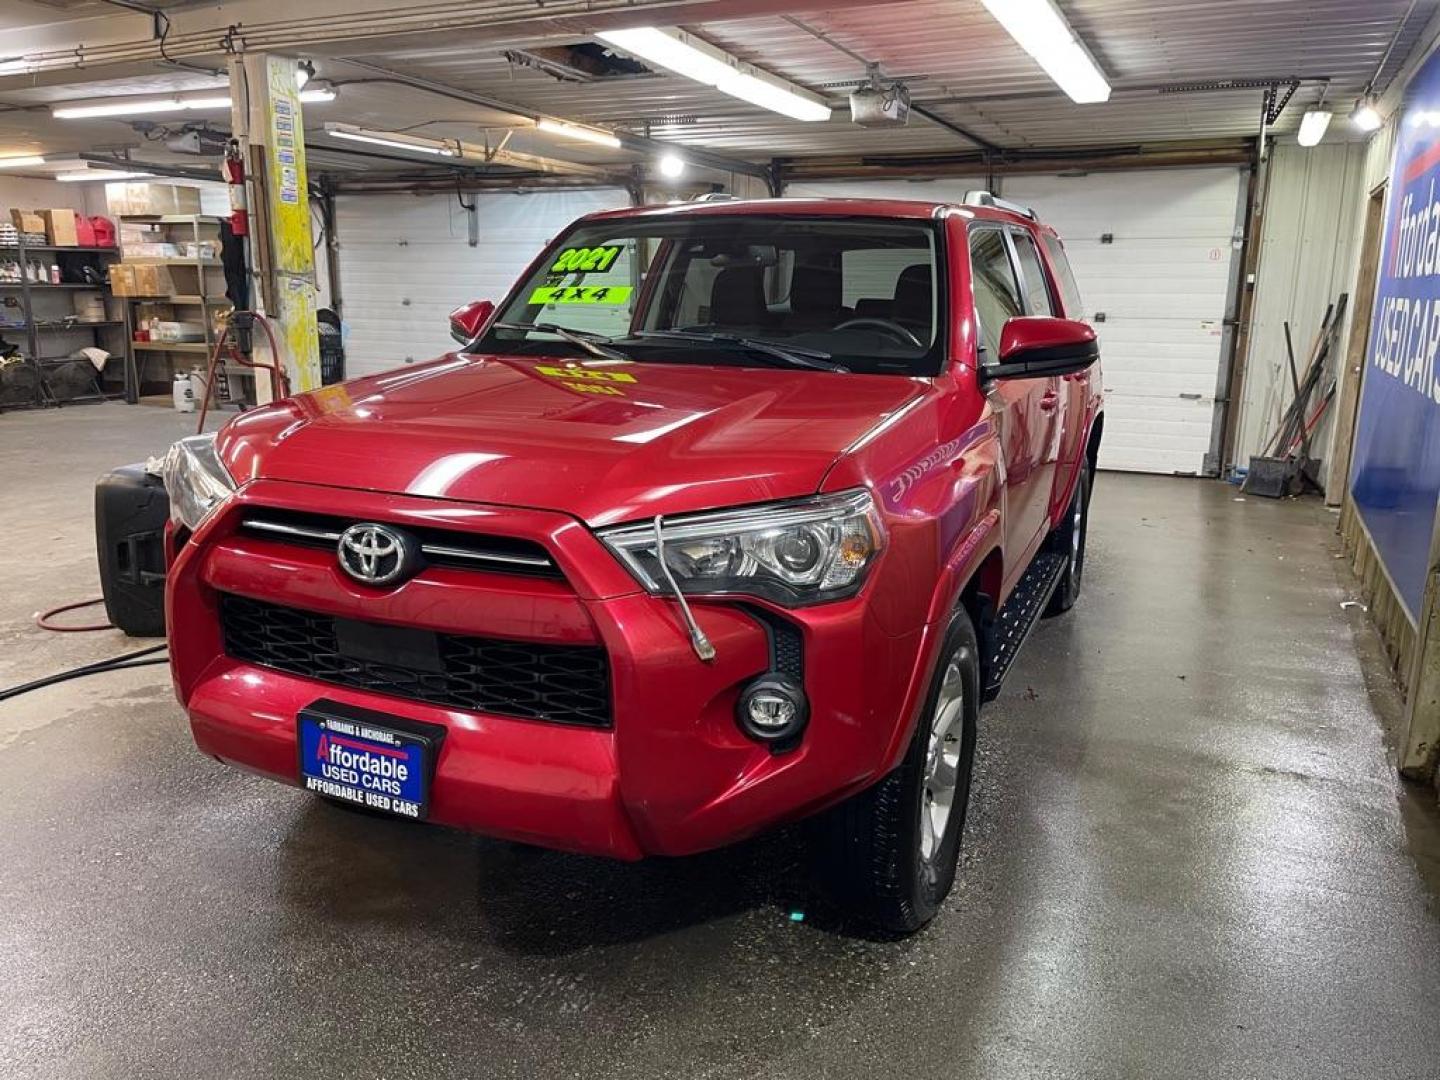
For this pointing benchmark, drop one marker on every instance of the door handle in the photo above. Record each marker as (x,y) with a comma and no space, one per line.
(1049,400)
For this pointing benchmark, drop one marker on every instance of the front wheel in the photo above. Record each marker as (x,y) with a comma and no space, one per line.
(889,854)
(1068,539)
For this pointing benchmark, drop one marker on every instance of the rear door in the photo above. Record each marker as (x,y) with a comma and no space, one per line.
(1075,389)
(1019,406)
(1040,300)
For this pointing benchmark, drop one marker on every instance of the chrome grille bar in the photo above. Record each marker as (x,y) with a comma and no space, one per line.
(477,555)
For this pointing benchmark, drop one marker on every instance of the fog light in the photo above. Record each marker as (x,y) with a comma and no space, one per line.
(773,708)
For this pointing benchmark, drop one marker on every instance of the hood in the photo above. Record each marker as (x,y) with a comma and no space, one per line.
(602,441)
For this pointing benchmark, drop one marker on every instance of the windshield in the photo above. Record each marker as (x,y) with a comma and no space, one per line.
(755,291)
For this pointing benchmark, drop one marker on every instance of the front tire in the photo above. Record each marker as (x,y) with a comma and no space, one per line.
(889,854)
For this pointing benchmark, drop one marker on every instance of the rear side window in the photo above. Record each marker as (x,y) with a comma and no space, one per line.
(1074,309)
(996,289)
(1037,287)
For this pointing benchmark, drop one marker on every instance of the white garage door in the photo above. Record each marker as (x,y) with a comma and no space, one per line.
(406,263)
(1161,282)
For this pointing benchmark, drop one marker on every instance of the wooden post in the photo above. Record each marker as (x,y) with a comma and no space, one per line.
(1351,370)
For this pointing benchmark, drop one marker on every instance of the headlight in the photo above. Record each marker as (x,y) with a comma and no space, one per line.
(793,553)
(195,480)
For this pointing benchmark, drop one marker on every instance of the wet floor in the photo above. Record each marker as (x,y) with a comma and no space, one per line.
(1188,855)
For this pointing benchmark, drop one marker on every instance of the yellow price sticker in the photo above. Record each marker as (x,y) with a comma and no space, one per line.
(613,295)
(585,373)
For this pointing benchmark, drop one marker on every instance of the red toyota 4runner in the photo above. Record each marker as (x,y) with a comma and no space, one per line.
(731,514)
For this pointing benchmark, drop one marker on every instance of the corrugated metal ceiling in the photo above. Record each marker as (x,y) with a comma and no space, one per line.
(968,70)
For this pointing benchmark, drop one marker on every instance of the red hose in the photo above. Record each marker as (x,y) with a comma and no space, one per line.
(282,384)
(43,619)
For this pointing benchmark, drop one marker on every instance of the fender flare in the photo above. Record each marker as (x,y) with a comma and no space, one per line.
(969,557)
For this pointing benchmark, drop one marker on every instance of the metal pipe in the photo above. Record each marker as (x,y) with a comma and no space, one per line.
(635,143)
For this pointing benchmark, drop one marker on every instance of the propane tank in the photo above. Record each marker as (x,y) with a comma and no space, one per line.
(183,392)
(197,386)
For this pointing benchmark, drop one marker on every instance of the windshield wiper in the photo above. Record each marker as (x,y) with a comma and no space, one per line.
(791,354)
(593,343)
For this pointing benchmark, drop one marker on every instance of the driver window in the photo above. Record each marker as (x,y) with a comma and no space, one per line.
(995,286)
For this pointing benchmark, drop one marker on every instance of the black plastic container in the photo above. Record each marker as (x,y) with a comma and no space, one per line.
(131,509)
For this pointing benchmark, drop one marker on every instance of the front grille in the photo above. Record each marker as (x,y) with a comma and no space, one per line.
(566,684)
(440,547)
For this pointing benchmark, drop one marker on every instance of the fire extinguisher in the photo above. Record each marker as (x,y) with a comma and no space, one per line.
(233,169)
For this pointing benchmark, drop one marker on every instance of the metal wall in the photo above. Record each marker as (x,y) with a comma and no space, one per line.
(1309,239)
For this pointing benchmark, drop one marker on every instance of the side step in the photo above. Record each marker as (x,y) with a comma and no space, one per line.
(1008,630)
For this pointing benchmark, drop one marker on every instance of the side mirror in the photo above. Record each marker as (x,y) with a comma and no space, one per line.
(467,322)
(1034,346)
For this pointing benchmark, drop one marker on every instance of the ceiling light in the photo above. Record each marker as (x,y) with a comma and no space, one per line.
(579,131)
(1040,29)
(133,106)
(1366,117)
(671,166)
(687,55)
(21,162)
(396,140)
(81,175)
(1312,127)
(304,72)
(142,106)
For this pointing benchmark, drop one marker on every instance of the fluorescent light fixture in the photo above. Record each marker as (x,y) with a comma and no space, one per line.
(137,106)
(579,131)
(1040,29)
(148,106)
(82,175)
(395,140)
(1366,117)
(1312,127)
(27,162)
(687,55)
(671,166)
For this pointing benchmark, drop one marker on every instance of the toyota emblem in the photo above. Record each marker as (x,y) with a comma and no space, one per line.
(377,554)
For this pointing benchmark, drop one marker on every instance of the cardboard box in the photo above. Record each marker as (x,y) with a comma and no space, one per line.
(60,228)
(122,279)
(27,221)
(152,199)
(153,280)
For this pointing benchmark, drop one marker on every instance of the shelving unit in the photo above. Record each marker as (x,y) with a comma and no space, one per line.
(41,326)
(200,286)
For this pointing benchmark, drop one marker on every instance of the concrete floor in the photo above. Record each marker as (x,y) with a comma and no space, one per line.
(1188,856)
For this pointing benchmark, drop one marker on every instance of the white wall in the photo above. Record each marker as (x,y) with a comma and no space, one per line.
(1309,242)
(406,263)
(21,193)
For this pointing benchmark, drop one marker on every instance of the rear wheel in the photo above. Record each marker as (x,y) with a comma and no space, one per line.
(889,854)
(1068,539)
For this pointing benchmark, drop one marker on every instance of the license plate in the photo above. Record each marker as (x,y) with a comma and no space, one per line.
(368,759)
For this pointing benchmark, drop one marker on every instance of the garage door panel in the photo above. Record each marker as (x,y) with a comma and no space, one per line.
(406,263)
(1155,203)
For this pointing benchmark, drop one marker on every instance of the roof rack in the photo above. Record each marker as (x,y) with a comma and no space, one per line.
(984,198)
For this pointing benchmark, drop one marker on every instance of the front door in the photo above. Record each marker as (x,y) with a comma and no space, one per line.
(1025,409)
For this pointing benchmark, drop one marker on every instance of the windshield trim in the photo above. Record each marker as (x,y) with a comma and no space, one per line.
(929,365)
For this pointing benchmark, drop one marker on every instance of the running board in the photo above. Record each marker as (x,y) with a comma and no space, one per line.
(1007,631)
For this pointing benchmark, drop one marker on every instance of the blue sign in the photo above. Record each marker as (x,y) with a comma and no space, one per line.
(1395,479)
(361,763)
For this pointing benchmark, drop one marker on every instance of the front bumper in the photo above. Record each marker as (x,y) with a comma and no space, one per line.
(672,774)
